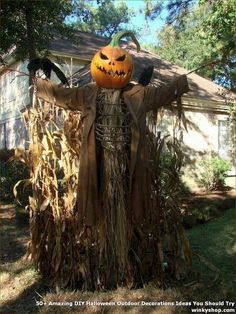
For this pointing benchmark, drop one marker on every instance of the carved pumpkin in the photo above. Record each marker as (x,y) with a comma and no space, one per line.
(112,66)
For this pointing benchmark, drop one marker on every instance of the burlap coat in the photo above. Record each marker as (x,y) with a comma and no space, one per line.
(139,100)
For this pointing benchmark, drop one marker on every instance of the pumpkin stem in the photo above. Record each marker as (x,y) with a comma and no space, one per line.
(117,37)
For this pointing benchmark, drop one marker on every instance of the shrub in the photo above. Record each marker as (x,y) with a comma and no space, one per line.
(166,163)
(214,173)
(11,172)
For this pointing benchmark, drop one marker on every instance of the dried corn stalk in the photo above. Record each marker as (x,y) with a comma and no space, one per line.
(53,159)
(165,164)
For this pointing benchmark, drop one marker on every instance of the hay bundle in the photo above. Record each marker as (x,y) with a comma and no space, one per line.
(82,258)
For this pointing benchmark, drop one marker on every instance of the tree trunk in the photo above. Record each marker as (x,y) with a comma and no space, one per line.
(30,41)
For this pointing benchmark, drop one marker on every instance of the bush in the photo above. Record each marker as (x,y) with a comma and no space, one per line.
(214,173)
(11,172)
(166,164)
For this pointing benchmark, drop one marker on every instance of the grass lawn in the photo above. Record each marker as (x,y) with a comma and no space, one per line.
(216,242)
(21,286)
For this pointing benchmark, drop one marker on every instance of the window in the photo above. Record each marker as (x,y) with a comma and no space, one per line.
(3,139)
(7,90)
(11,86)
(224,140)
(3,93)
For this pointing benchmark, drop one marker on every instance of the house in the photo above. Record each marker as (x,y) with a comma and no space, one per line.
(206,110)
(14,94)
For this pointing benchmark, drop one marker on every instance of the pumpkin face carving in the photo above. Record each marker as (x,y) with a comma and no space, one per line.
(112,66)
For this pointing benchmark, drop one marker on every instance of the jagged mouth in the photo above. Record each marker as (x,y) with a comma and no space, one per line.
(112,73)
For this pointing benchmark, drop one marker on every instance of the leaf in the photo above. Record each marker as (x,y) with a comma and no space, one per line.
(26,183)
(33,203)
(44,205)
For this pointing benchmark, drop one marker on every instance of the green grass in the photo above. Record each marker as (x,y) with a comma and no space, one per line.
(215,241)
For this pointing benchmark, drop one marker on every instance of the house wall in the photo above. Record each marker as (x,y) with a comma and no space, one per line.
(203,139)
(13,91)
(14,97)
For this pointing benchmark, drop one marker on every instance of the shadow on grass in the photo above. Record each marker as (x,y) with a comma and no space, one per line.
(25,302)
(202,207)
(13,241)
(216,242)
(18,279)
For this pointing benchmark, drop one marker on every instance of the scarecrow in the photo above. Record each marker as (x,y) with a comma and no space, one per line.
(113,200)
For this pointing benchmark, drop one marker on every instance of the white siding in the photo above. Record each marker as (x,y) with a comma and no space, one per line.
(2,135)
(201,141)
(14,97)
(13,92)
(13,134)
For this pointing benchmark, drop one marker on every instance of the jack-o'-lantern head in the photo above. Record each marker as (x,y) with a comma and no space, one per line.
(112,66)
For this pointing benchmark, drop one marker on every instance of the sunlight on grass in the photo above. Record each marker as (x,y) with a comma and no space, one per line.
(15,278)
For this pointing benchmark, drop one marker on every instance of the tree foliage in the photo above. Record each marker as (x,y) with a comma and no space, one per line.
(31,25)
(106,18)
(219,26)
(175,9)
(183,45)
(205,33)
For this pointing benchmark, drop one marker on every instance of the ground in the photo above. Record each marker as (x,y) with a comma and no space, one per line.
(213,245)
(201,207)
(18,279)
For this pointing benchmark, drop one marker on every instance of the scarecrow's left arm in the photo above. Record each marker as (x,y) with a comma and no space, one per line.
(156,97)
(67,98)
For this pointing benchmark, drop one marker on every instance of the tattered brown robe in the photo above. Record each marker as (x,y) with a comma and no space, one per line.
(139,101)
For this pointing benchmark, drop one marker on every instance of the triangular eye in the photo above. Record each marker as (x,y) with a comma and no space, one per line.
(121,58)
(104,57)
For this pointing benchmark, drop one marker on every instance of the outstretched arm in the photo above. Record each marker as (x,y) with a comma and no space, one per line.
(156,97)
(67,98)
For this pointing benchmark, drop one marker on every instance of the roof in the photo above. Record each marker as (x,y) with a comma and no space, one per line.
(88,44)
(164,72)
(84,46)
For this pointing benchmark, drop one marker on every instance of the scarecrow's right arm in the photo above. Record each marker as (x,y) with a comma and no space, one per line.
(157,97)
(67,98)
